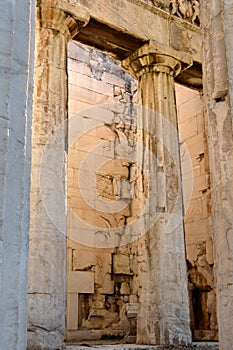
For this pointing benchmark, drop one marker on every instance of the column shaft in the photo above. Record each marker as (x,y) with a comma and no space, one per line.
(47,248)
(16,93)
(163,316)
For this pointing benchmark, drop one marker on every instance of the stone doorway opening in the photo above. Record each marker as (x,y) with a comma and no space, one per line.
(197,218)
(103,287)
(102,297)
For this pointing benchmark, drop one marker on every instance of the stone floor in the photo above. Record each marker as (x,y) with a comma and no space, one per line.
(194,346)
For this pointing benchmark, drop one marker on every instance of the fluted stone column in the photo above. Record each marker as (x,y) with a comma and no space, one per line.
(16,92)
(163,315)
(47,248)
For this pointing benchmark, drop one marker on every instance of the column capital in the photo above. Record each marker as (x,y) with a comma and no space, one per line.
(58,20)
(155,57)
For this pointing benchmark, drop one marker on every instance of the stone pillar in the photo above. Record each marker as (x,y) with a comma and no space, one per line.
(163,315)
(16,92)
(217,32)
(47,248)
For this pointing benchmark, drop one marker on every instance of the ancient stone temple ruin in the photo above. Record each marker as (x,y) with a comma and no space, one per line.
(116,174)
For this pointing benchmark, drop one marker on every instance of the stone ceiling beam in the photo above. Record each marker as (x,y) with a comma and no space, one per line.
(119,28)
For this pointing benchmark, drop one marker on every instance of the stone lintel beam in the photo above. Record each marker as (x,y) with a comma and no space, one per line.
(135,17)
(155,54)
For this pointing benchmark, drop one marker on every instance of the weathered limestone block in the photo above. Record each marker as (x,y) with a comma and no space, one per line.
(80,282)
(121,264)
(83,259)
(107,286)
(163,314)
(125,288)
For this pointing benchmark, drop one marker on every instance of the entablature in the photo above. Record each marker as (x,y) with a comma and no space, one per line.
(123,26)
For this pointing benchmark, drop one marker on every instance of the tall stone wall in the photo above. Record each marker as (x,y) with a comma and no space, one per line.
(197,219)
(217,79)
(104,285)
(101,288)
(16,87)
